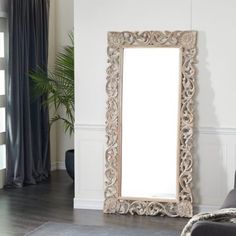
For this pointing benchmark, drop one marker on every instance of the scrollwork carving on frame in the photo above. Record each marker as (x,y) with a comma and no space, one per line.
(186,40)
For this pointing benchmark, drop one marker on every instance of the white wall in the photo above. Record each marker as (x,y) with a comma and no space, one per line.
(64,22)
(215,139)
(64,25)
(61,23)
(51,61)
(215,149)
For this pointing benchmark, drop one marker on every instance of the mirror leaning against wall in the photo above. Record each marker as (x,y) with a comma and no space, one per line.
(149,122)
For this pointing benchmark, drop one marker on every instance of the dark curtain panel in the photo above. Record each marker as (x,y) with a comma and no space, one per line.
(27,138)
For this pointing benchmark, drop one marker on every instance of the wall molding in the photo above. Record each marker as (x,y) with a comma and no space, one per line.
(90,204)
(214,144)
(53,166)
(58,165)
(205,208)
(216,131)
(200,129)
(61,165)
(98,205)
(92,127)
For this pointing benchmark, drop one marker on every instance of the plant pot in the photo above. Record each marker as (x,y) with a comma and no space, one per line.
(69,161)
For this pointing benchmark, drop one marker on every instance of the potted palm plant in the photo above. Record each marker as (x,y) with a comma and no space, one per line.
(58,88)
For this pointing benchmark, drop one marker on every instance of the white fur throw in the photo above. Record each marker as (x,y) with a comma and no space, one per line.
(223,215)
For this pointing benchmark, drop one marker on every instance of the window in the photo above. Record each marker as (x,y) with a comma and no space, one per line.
(3,77)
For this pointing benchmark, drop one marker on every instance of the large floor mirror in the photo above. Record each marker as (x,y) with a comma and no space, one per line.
(150,87)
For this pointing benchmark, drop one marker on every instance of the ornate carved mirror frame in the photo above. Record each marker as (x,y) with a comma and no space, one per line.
(117,41)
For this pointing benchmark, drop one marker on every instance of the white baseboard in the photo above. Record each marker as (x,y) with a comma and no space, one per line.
(98,205)
(88,204)
(60,165)
(205,208)
(53,166)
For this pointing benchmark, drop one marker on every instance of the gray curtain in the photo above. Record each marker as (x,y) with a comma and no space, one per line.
(27,137)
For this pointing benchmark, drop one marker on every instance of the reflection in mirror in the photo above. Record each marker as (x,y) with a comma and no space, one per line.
(150,122)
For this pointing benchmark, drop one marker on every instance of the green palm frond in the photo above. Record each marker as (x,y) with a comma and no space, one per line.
(58,85)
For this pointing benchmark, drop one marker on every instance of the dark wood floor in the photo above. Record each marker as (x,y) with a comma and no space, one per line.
(22,210)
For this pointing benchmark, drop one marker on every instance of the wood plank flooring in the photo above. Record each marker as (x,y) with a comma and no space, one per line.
(22,210)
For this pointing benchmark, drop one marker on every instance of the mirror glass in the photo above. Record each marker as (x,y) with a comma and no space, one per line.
(150,122)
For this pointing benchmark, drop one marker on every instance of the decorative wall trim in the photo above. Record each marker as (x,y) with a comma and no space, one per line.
(88,204)
(216,131)
(215,143)
(215,146)
(200,130)
(94,127)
